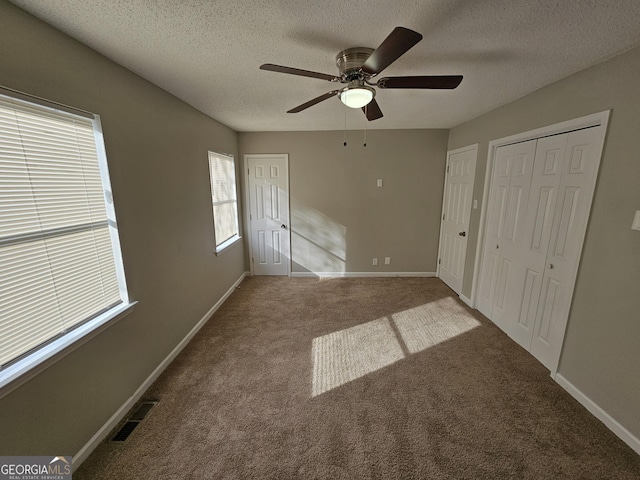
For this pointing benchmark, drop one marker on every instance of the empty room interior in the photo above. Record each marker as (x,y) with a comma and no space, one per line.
(433,275)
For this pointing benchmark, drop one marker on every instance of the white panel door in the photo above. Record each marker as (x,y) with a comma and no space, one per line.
(268,188)
(495,224)
(543,193)
(509,273)
(512,164)
(538,212)
(577,184)
(456,208)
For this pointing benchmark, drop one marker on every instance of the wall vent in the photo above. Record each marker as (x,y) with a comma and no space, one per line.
(133,421)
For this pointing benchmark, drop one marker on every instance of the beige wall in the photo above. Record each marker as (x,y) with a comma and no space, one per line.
(157,151)
(340,220)
(601,354)
(157,146)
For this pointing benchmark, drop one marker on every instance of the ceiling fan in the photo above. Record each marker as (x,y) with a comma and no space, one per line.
(359,65)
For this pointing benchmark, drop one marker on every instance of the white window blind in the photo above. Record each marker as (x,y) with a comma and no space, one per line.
(225,200)
(60,262)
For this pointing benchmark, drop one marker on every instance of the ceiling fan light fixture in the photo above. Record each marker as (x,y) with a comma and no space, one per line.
(357,97)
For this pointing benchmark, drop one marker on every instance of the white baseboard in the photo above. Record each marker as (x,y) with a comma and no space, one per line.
(117,417)
(362,274)
(466,300)
(625,435)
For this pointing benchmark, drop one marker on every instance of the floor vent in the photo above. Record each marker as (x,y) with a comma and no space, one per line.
(133,421)
(142,410)
(125,431)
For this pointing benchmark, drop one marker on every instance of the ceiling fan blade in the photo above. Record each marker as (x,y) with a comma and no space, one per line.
(296,71)
(372,110)
(311,103)
(427,81)
(393,47)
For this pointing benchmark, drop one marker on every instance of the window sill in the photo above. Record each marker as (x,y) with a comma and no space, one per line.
(226,244)
(24,370)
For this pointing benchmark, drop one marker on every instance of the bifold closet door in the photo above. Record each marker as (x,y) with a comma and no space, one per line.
(543,192)
(507,206)
(539,204)
(575,194)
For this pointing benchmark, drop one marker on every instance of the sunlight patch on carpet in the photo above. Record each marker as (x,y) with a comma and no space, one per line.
(433,323)
(343,356)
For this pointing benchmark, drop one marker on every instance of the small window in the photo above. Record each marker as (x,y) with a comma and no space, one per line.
(60,265)
(224,195)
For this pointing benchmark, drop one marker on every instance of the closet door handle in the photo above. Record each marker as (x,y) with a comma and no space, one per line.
(551,266)
(462,234)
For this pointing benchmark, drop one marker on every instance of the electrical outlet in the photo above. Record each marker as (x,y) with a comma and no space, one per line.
(387,260)
(375,262)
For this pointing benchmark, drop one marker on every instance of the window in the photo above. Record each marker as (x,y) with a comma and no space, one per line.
(222,170)
(61,273)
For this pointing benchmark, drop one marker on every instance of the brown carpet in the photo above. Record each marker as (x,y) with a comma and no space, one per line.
(296,378)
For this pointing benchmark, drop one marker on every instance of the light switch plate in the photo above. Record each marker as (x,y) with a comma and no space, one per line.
(379,182)
(636,221)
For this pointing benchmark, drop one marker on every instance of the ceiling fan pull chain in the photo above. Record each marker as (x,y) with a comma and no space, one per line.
(345,129)
(365,138)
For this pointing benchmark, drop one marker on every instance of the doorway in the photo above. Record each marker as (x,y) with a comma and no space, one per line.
(268,200)
(456,212)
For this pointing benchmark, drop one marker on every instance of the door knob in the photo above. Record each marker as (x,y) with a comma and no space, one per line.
(550,266)
(283,226)
(462,234)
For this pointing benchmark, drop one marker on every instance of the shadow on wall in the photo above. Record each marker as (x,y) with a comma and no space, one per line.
(318,243)
(346,355)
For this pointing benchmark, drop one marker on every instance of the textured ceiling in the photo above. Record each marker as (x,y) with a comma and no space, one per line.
(207,52)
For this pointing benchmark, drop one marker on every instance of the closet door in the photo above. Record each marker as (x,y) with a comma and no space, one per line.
(539,203)
(511,174)
(580,169)
(545,181)
(493,233)
(510,277)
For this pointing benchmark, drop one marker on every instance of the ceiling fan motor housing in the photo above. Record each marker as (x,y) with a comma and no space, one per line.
(349,62)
